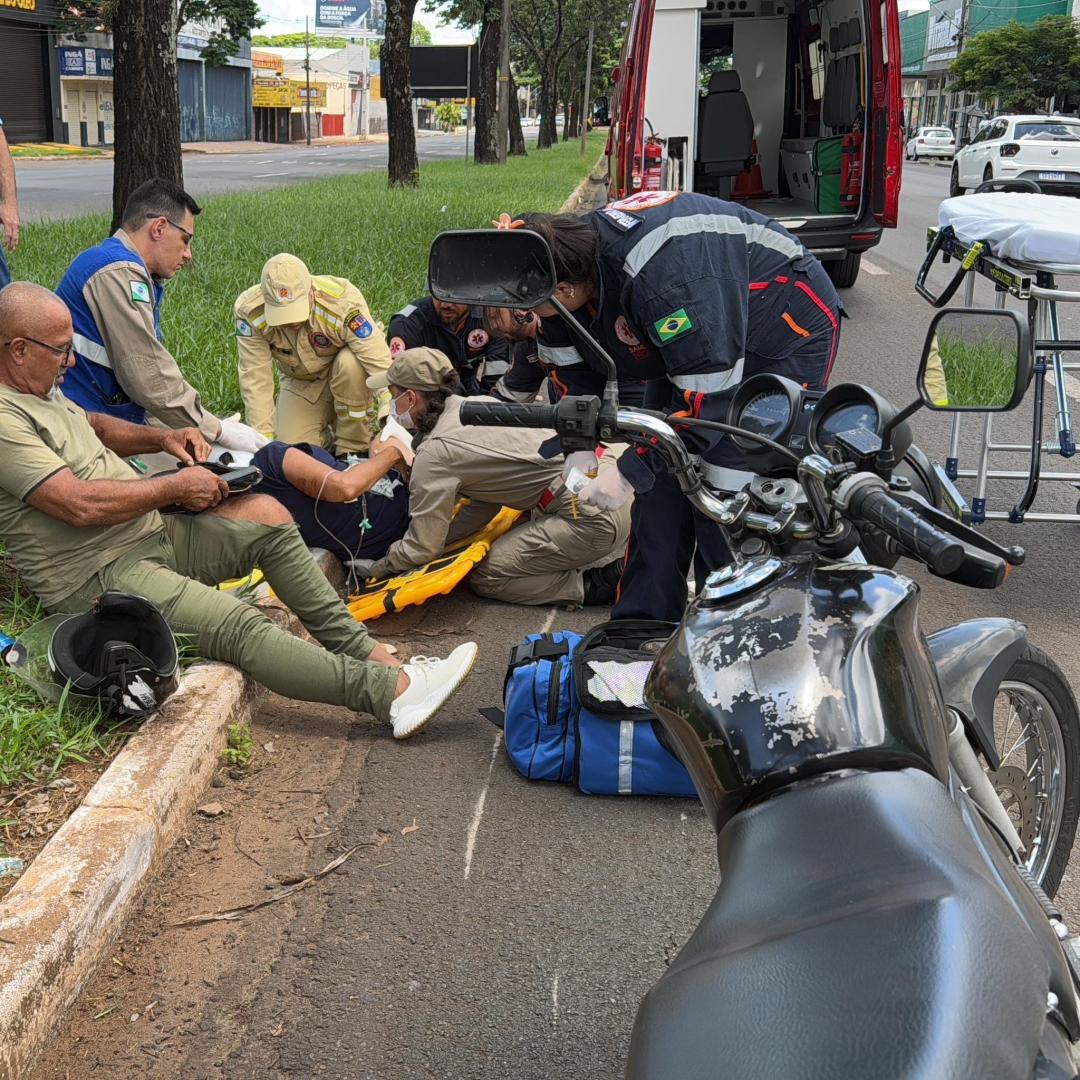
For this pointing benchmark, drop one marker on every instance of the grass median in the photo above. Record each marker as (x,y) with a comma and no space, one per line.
(348,226)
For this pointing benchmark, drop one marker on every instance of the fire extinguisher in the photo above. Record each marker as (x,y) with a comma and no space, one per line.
(653,172)
(851,162)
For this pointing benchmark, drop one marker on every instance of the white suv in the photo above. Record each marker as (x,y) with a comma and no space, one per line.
(1045,149)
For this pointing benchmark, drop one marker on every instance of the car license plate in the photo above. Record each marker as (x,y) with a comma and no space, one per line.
(1051,176)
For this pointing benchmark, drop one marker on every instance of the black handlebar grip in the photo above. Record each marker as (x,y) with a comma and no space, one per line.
(507,414)
(942,553)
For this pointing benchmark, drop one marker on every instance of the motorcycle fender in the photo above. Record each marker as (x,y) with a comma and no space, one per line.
(972,659)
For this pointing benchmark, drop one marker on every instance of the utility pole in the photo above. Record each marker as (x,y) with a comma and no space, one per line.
(588,86)
(307,70)
(502,126)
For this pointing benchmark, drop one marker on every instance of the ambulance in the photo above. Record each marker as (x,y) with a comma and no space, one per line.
(791,107)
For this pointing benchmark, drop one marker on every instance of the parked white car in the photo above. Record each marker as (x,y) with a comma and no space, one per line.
(931,142)
(1045,149)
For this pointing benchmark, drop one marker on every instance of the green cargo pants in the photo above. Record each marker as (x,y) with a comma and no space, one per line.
(176,570)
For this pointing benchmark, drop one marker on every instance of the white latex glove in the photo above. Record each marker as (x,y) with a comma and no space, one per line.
(585,460)
(236,459)
(361,567)
(394,430)
(607,492)
(240,437)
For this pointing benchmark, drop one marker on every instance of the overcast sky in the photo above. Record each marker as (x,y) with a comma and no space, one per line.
(287,17)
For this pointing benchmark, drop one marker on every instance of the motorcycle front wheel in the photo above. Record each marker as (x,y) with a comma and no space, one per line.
(1037,736)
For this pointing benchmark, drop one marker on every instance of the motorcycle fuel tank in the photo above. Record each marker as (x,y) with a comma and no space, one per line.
(818,668)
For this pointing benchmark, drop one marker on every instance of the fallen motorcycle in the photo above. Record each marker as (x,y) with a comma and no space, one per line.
(894,811)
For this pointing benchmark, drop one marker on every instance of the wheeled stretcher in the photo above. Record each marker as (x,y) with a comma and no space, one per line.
(1022,241)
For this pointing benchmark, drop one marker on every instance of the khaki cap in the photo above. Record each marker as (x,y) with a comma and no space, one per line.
(286,290)
(414,369)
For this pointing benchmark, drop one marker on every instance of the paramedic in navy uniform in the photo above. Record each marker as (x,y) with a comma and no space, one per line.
(694,294)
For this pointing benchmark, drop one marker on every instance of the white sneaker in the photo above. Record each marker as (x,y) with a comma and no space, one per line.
(431,682)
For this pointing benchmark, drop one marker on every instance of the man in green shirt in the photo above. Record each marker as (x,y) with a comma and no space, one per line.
(77,520)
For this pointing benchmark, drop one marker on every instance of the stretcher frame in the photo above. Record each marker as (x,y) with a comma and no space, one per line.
(1034,283)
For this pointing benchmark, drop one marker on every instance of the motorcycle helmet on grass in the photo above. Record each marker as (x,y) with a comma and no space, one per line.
(119,656)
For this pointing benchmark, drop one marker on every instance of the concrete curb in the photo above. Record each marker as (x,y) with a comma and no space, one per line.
(60,919)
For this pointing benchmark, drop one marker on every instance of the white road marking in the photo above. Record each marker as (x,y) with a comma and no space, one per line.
(872,270)
(549,620)
(478,813)
(261,176)
(555,1000)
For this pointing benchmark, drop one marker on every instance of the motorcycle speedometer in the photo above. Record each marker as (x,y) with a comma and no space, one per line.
(777,408)
(853,407)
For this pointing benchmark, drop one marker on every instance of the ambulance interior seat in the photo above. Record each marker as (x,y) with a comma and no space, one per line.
(725,134)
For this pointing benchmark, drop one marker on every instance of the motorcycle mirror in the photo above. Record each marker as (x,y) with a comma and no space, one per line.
(975,359)
(491,268)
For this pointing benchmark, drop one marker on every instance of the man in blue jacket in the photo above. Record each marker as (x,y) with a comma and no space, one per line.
(114,293)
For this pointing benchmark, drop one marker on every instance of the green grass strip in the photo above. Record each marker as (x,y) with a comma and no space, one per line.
(348,226)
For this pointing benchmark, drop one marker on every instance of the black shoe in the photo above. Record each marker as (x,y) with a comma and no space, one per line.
(602,583)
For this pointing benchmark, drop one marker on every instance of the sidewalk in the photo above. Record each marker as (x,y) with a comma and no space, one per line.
(250,146)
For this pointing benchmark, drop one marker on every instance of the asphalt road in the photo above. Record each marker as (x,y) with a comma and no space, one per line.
(514,933)
(49,190)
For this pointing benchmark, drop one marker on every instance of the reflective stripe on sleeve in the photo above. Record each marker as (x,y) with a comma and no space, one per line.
(95,353)
(712,383)
(406,311)
(496,367)
(720,476)
(559,356)
(721,224)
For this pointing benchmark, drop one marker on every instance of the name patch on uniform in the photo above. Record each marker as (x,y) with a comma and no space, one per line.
(319,341)
(397,346)
(643,200)
(140,291)
(621,221)
(478,338)
(356,322)
(671,326)
(243,328)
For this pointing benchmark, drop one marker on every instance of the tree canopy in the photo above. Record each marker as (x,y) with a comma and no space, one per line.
(237,19)
(421,35)
(1022,65)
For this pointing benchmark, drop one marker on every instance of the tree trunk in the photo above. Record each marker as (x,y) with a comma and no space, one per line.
(517,136)
(548,133)
(403,167)
(486,142)
(147,98)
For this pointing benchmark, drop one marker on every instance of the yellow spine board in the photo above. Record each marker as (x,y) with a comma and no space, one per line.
(436,578)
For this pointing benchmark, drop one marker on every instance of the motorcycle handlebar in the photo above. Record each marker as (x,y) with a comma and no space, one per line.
(506,414)
(943,554)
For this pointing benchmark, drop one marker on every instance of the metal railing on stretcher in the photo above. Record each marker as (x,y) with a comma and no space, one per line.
(1034,283)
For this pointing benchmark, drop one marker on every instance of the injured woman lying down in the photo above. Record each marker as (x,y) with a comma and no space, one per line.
(354,507)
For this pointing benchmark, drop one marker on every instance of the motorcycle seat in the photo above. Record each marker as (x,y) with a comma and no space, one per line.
(858,933)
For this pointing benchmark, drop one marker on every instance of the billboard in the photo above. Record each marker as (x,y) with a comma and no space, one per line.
(270,93)
(362,16)
(441,71)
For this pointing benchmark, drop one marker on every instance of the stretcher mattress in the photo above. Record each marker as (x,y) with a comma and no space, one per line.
(1020,226)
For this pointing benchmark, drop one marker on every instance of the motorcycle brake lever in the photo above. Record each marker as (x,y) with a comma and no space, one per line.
(1014,556)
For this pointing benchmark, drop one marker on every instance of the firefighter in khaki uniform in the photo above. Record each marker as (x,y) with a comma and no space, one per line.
(321,335)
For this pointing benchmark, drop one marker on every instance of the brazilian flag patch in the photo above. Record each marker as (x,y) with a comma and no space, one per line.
(671,326)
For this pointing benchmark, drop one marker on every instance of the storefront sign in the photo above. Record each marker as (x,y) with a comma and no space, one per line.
(191,41)
(351,15)
(267,61)
(82,62)
(269,93)
(316,95)
(38,11)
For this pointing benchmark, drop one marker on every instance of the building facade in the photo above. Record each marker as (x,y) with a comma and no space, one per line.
(86,90)
(29,71)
